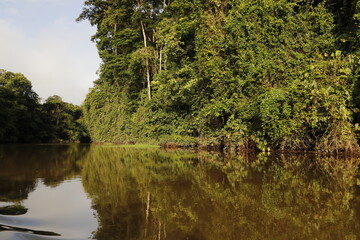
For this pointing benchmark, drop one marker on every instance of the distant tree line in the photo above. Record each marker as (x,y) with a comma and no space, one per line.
(23,119)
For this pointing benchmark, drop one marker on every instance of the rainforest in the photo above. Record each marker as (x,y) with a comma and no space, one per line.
(231,74)
(268,75)
(270,89)
(24,119)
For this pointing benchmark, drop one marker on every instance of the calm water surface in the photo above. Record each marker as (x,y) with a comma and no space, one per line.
(106,192)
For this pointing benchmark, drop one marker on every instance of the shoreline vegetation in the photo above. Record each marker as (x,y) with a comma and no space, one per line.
(24,119)
(246,75)
(231,75)
(225,149)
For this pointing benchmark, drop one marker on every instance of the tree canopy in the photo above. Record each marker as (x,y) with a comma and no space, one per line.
(273,74)
(23,119)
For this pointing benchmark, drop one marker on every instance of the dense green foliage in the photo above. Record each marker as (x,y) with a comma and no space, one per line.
(66,119)
(23,119)
(266,74)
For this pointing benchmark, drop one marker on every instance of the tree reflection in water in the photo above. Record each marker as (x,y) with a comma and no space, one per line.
(155,194)
(27,169)
(23,165)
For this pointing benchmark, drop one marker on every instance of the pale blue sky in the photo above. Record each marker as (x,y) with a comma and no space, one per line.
(42,40)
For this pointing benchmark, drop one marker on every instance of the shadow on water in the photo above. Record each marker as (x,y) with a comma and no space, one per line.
(17,229)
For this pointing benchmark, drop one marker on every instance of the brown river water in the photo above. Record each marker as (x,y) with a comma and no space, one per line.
(110,192)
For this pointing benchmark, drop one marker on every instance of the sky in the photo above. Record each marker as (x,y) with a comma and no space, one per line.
(42,40)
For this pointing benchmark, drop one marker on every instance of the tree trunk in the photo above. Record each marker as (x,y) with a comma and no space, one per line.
(146,60)
(160,60)
(115,26)
(139,2)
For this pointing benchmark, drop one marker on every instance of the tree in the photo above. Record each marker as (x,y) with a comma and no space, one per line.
(24,120)
(267,74)
(66,119)
(21,114)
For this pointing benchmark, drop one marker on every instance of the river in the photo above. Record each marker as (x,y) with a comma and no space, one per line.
(110,192)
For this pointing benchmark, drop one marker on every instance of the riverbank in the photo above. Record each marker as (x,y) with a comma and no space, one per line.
(224,145)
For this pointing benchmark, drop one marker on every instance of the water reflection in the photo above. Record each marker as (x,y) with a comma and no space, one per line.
(41,194)
(104,193)
(52,163)
(154,194)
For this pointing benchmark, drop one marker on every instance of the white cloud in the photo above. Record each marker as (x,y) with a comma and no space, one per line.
(59,60)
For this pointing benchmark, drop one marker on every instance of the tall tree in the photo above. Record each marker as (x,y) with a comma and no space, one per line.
(268,74)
